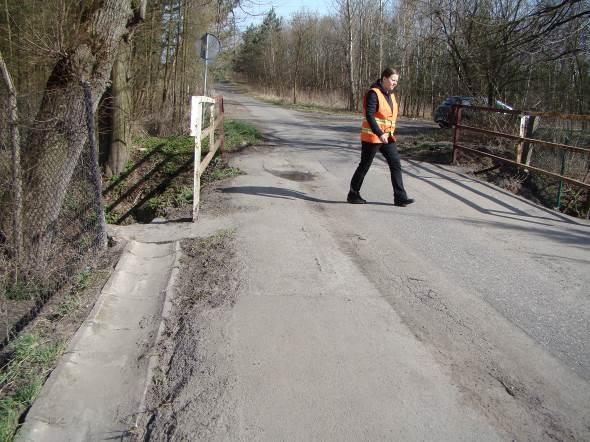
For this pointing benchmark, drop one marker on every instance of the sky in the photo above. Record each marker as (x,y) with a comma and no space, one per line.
(253,11)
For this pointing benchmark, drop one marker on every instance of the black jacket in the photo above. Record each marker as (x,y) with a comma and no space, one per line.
(372,104)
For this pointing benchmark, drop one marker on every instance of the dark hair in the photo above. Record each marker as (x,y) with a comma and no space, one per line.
(388,72)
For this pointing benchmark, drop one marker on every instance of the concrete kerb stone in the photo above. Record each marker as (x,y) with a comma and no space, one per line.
(73,421)
(166,309)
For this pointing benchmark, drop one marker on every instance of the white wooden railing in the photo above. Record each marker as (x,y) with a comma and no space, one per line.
(215,143)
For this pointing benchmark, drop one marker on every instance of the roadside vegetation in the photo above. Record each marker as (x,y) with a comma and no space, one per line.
(160,167)
(159,175)
(22,377)
(27,360)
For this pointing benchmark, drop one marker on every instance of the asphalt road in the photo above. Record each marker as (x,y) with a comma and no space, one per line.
(464,316)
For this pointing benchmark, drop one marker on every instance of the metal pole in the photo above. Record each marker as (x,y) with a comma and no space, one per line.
(96,178)
(206,63)
(17,200)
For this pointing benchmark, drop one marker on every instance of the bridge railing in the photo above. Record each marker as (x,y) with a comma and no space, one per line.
(553,144)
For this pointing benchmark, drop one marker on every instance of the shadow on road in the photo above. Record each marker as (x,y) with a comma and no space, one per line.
(511,211)
(289,194)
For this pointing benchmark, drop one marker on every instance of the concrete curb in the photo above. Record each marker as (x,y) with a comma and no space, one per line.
(166,309)
(99,385)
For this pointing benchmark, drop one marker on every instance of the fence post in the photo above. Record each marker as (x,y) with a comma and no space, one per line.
(196,131)
(531,123)
(560,186)
(212,124)
(196,127)
(521,133)
(96,178)
(221,131)
(17,197)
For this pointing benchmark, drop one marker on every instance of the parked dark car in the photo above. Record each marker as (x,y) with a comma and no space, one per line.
(443,114)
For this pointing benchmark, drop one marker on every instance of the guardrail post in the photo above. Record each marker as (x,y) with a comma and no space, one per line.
(522,133)
(212,124)
(560,186)
(196,130)
(531,123)
(221,131)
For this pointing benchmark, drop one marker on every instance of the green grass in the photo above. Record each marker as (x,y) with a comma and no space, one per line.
(22,377)
(168,158)
(184,195)
(25,290)
(202,246)
(112,216)
(71,301)
(239,133)
(221,174)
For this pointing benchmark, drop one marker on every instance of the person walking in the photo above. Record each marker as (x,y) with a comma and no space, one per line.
(377,134)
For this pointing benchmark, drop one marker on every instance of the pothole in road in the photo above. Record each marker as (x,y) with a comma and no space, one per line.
(292,175)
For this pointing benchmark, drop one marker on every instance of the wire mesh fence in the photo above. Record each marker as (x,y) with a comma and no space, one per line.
(57,197)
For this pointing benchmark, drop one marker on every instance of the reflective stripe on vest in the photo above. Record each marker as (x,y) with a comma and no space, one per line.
(385,118)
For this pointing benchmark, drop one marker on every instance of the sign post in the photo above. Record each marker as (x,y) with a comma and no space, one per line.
(209,48)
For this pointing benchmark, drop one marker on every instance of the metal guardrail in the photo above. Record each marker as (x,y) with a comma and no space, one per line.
(197,131)
(521,139)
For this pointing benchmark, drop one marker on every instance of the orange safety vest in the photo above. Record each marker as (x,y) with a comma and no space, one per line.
(385,117)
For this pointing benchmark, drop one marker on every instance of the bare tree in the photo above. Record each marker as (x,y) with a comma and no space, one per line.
(348,11)
(486,39)
(55,146)
(120,107)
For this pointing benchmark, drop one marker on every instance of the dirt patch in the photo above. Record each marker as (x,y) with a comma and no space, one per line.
(422,143)
(435,153)
(189,388)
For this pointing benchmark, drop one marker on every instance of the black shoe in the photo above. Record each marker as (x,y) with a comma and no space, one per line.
(355,198)
(403,203)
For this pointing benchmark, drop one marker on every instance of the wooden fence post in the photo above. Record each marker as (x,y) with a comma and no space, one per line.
(196,127)
(196,130)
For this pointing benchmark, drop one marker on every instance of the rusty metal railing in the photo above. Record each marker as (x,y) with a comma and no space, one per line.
(523,140)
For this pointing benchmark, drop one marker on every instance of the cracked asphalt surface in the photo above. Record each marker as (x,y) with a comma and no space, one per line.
(464,316)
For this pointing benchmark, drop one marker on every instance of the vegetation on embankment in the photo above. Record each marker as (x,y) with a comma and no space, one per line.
(159,176)
(161,169)
(28,359)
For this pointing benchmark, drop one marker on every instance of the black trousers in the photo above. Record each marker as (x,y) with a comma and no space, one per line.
(389,151)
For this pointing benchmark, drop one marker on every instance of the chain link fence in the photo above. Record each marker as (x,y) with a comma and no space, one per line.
(57,198)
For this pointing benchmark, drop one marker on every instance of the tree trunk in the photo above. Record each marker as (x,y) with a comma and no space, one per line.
(351,79)
(55,145)
(121,111)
